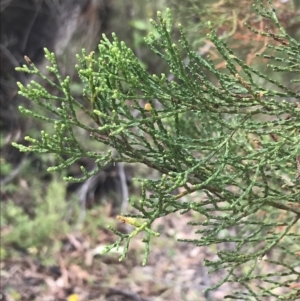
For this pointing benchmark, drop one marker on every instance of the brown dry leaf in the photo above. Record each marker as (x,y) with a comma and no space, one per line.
(77,274)
(295,286)
(75,242)
(63,280)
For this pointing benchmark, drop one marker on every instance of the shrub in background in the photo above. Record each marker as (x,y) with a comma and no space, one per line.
(34,233)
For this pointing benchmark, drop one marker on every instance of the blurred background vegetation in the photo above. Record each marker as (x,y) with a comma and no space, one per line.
(42,217)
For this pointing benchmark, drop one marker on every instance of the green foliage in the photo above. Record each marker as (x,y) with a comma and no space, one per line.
(235,139)
(36,233)
(5,166)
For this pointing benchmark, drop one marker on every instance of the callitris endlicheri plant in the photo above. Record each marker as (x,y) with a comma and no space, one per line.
(231,135)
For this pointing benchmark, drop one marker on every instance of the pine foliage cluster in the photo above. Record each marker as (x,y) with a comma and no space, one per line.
(231,135)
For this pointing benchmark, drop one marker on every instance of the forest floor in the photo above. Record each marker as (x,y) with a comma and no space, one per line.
(76,272)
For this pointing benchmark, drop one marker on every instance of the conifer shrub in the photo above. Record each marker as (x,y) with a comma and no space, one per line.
(233,135)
